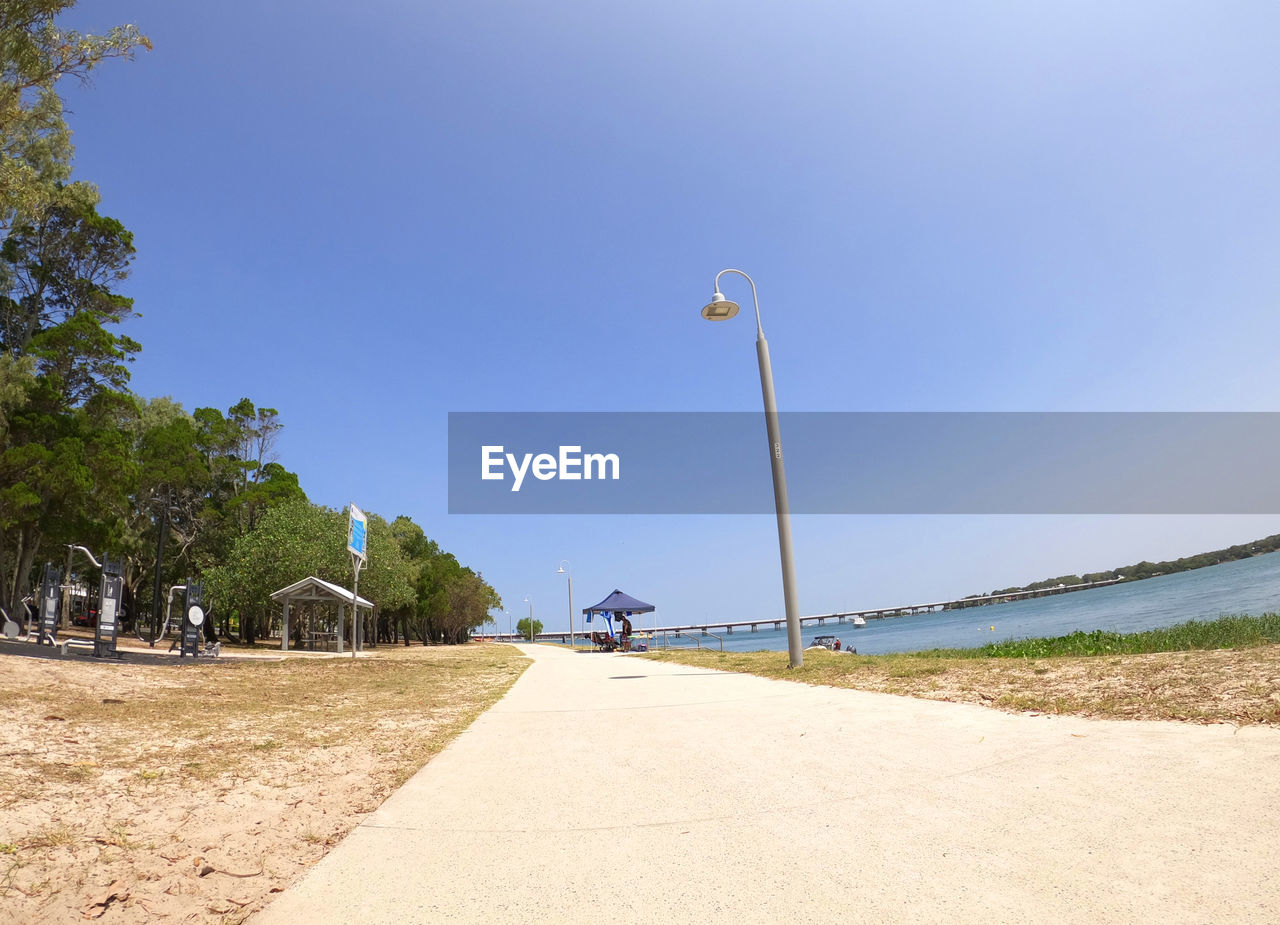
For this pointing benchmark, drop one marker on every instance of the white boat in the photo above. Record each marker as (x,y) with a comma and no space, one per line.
(857,621)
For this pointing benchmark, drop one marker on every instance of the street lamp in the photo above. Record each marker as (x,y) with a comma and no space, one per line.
(530,603)
(721,309)
(568,574)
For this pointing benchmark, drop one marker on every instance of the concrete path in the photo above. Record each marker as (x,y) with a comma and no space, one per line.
(608,788)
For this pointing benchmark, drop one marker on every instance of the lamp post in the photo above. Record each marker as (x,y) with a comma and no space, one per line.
(721,309)
(529,601)
(568,574)
(510,628)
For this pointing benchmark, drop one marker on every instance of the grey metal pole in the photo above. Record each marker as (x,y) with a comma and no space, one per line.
(568,573)
(531,621)
(157,585)
(780,502)
(355,603)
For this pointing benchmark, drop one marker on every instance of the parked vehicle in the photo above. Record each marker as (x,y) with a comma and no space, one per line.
(84,615)
(832,643)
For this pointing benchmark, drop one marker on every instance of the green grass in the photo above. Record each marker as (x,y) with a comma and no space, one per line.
(1202,671)
(1234,632)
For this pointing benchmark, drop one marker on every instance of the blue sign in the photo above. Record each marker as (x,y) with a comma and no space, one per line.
(356,528)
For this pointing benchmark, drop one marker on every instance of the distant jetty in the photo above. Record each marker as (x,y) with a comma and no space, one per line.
(878,613)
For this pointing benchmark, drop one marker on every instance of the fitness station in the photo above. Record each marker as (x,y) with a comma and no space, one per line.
(63,600)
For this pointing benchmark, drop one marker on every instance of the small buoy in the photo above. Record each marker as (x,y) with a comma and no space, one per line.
(993,629)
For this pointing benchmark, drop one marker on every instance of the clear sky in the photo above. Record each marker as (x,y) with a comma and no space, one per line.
(369,215)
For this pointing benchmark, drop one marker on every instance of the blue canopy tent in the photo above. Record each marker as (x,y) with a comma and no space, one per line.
(619,604)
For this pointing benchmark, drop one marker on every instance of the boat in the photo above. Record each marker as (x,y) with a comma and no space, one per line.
(857,620)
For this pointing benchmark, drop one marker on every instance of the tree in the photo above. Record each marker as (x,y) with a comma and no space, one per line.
(65,465)
(522,626)
(296,539)
(387,578)
(17,376)
(168,502)
(292,541)
(35,143)
(450,599)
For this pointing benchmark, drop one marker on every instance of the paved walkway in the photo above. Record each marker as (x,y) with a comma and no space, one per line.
(608,788)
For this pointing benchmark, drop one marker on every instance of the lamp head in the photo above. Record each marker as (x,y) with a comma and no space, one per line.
(719,308)
(560,570)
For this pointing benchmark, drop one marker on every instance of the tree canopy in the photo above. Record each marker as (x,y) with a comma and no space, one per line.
(83,460)
(35,143)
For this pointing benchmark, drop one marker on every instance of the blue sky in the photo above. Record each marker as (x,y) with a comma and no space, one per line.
(369,216)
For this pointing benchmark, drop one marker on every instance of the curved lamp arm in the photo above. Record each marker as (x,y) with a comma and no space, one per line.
(754,297)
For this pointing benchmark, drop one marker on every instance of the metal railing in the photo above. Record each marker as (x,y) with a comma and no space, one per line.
(696,637)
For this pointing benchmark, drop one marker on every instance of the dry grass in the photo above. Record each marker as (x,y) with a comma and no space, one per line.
(196,791)
(1240,686)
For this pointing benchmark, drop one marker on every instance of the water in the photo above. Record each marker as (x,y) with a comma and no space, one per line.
(1250,586)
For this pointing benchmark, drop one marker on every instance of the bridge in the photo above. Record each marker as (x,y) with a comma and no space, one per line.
(879,613)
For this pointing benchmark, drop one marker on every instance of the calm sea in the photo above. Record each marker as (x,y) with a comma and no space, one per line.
(1250,586)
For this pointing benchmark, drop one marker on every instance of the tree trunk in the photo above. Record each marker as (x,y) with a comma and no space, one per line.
(28,544)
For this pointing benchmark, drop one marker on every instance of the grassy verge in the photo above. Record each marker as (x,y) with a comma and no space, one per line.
(1234,632)
(1224,670)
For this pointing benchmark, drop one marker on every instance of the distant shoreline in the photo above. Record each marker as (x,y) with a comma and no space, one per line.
(1143,570)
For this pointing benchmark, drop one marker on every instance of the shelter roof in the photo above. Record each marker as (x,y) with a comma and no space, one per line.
(618,601)
(312,588)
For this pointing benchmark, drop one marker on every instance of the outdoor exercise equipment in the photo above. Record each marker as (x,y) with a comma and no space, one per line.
(110,591)
(192,620)
(47,627)
(11,628)
(152,633)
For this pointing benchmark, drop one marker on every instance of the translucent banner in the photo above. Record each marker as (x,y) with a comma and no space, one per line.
(865,462)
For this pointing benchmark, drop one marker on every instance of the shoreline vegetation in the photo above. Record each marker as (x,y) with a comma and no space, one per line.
(1144,569)
(1218,671)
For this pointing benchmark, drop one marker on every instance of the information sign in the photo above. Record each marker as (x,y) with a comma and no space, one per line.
(357,529)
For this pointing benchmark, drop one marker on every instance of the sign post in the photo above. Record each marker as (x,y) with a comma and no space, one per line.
(109,594)
(357,545)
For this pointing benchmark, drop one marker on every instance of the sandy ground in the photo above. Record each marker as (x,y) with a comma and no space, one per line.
(194,793)
(138,792)
(646,791)
(1241,687)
